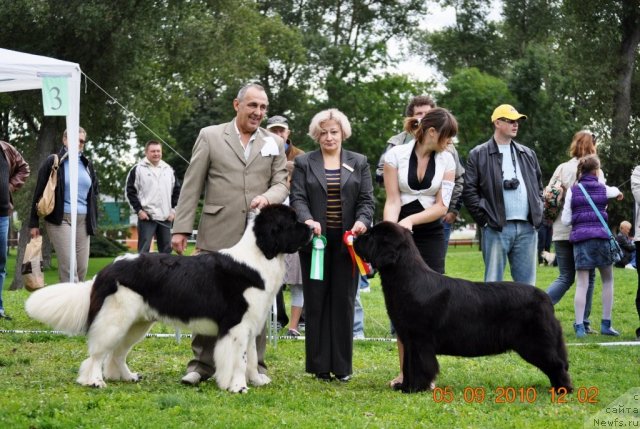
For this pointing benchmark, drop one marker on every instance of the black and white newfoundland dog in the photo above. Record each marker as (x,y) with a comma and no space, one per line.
(434,314)
(227,293)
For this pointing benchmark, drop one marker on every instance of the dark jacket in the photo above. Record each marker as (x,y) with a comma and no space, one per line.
(18,168)
(309,189)
(626,244)
(57,214)
(482,193)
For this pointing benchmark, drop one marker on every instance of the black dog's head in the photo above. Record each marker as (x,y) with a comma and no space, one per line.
(385,244)
(278,230)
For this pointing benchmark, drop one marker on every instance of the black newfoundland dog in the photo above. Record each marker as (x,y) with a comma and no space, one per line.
(227,293)
(434,314)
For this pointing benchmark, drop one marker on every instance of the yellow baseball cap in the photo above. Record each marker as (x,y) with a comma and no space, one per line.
(506,111)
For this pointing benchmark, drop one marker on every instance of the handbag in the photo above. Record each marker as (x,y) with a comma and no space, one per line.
(32,265)
(553,195)
(614,248)
(45,205)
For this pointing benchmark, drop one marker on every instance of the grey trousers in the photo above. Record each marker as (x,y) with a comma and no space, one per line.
(60,236)
(203,345)
(147,229)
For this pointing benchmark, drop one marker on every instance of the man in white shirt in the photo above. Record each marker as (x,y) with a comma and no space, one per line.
(153,190)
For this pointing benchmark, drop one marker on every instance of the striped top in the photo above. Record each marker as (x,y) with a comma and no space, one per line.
(334,206)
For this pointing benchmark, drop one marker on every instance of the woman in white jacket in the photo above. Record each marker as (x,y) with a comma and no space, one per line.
(583,144)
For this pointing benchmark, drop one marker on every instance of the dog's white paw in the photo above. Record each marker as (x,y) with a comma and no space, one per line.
(260,380)
(111,373)
(133,376)
(96,382)
(238,388)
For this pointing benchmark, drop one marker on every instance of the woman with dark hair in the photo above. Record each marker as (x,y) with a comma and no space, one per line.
(419,181)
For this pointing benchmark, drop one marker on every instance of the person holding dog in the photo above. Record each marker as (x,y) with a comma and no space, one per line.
(503,193)
(240,167)
(332,191)
(589,237)
(582,144)
(418,107)
(419,182)
(152,190)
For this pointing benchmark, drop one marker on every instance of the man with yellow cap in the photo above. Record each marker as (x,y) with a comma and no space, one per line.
(503,192)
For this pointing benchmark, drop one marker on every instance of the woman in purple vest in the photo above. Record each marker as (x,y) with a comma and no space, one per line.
(590,240)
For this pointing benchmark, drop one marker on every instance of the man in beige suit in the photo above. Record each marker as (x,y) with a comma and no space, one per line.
(240,166)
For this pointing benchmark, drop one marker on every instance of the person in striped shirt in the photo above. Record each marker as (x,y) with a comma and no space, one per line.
(332,192)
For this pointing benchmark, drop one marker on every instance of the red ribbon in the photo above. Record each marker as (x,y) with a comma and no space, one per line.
(363,267)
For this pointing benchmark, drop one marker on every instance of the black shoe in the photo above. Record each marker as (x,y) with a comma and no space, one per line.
(324,376)
(4,316)
(588,330)
(343,378)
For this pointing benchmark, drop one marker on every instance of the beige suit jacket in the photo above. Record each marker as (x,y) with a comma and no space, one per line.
(229,182)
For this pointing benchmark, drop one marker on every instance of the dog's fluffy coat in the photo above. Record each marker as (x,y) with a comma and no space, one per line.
(227,293)
(434,314)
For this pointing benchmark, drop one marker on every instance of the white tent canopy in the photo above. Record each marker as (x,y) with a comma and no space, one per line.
(20,71)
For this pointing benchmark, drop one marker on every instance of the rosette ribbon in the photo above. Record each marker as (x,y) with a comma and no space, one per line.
(318,244)
(363,267)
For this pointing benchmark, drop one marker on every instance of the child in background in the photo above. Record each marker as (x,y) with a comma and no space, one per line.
(590,240)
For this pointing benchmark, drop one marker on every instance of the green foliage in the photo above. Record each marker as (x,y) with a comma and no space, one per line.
(473,41)
(102,247)
(532,22)
(471,95)
(569,65)
(154,60)
(604,38)
(538,85)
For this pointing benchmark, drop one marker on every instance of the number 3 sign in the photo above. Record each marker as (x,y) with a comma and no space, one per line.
(55,96)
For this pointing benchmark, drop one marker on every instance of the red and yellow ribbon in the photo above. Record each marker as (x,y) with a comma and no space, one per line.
(363,267)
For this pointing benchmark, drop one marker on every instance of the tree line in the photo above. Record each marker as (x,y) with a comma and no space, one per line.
(566,64)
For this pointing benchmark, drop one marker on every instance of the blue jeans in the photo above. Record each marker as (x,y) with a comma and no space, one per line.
(517,243)
(567,268)
(446,229)
(4,235)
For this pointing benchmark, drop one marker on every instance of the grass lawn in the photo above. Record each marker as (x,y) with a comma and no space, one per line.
(38,371)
